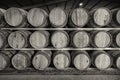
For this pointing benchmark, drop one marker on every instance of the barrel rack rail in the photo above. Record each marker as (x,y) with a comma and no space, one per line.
(69,29)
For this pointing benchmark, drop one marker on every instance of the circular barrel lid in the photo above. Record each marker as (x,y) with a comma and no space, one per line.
(39,40)
(102,61)
(79,17)
(40,61)
(102,39)
(60,39)
(17,40)
(81,39)
(81,61)
(61,61)
(13,16)
(20,61)
(37,17)
(58,17)
(102,16)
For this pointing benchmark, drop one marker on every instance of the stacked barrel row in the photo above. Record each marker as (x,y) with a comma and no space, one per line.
(59,39)
(40,60)
(58,18)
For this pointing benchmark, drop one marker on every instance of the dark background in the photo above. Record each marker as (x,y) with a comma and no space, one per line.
(27,4)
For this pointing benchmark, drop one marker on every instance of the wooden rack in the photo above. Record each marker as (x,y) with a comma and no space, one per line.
(69,29)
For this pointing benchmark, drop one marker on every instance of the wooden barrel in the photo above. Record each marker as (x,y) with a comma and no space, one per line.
(101,17)
(22,60)
(16,17)
(2,21)
(39,39)
(61,59)
(5,59)
(37,17)
(18,39)
(116,58)
(116,38)
(58,17)
(115,18)
(3,39)
(79,17)
(60,39)
(81,60)
(80,39)
(101,60)
(42,60)
(101,39)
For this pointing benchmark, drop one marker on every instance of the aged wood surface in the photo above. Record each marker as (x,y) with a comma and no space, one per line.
(61,59)
(101,39)
(80,39)
(101,60)
(58,17)
(102,16)
(18,39)
(60,39)
(37,17)
(15,17)
(79,17)
(42,60)
(22,60)
(39,39)
(81,60)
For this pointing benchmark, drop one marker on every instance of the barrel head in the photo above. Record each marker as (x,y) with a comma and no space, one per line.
(61,61)
(40,62)
(17,40)
(39,40)
(81,39)
(13,16)
(102,16)
(60,39)
(102,39)
(37,17)
(20,61)
(58,17)
(79,17)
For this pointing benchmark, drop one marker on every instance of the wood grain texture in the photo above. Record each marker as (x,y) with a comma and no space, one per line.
(58,17)
(42,60)
(116,58)
(117,39)
(15,17)
(5,59)
(80,39)
(61,59)
(102,16)
(22,60)
(18,39)
(101,39)
(60,39)
(101,60)
(81,60)
(2,21)
(79,17)
(39,39)
(115,18)
(3,39)
(37,17)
